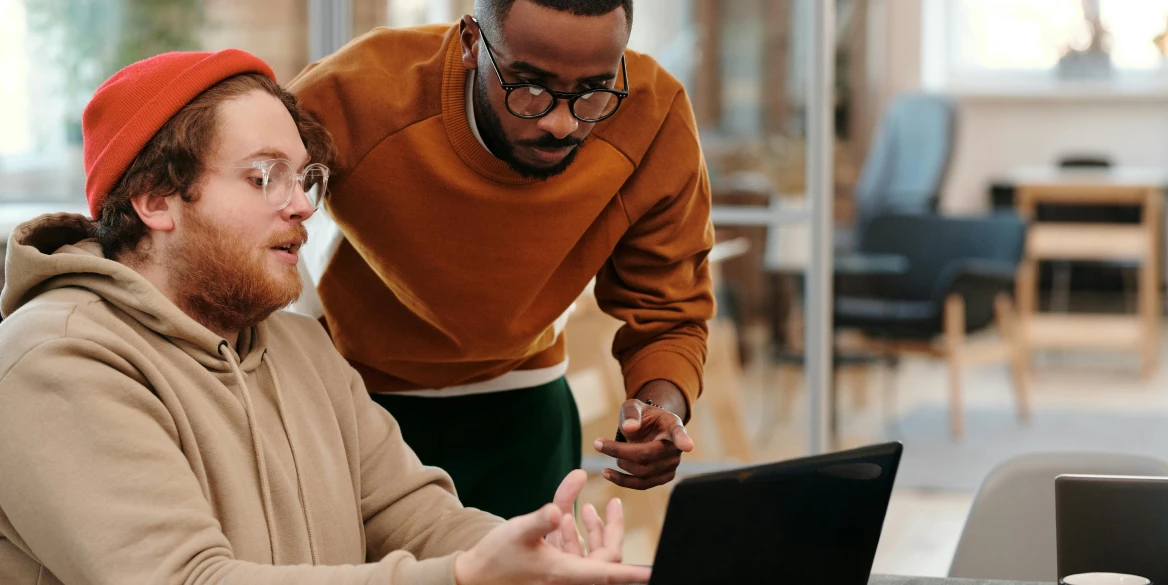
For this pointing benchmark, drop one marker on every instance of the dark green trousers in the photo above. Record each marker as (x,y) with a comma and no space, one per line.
(507,451)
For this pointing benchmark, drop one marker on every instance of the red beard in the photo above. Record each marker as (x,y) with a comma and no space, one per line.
(223,281)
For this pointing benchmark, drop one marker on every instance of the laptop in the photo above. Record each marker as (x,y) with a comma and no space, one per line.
(1111,523)
(806,521)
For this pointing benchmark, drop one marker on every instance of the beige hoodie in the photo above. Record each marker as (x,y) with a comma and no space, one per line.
(137,447)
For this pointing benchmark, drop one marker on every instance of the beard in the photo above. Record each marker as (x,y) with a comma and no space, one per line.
(491,130)
(222,281)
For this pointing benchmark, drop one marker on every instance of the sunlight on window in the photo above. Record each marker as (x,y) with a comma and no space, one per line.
(1033,34)
(14,131)
(1014,34)
(1134,25)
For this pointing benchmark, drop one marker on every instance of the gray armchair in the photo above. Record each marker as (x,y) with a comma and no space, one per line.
(959,279)
(907,161)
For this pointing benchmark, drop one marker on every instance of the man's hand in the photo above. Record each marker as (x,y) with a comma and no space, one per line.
(565,500)
(655,437)
(516,552)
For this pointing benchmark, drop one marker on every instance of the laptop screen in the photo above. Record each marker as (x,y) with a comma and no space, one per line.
(807,521)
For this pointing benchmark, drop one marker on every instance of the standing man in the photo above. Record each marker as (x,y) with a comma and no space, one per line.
(487,171)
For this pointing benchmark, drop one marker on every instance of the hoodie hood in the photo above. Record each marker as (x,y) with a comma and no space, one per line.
(55,251)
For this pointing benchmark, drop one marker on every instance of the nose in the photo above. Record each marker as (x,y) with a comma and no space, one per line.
(299,208)
(559,122)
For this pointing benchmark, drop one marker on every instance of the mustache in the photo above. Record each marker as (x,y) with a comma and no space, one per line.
(549,141)
(297,234)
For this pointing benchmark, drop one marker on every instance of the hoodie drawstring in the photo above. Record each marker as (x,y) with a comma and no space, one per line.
(261,463)
(295,459)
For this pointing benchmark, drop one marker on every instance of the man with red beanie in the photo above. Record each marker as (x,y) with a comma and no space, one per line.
(162,421)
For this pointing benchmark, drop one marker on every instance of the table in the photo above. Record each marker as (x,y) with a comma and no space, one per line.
(900,580)
(1138,243)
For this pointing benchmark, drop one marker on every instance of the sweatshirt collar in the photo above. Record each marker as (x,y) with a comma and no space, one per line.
(457,118)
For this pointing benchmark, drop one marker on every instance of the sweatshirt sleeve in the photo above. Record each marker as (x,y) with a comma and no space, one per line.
(95,486)
(657,280)
(407,505)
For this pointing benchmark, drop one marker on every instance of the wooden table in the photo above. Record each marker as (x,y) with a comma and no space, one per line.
(1138,243)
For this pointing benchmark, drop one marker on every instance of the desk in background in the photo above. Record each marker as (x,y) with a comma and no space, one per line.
(1054,240)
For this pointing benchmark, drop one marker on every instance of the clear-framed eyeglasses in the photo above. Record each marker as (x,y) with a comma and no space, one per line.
(279,179)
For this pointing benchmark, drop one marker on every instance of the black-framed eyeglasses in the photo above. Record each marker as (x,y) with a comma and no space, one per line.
(532,100)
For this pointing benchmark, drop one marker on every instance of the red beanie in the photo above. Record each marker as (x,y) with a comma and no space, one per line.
(133,105)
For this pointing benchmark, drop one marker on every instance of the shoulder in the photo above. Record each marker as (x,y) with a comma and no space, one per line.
(657,103)
(58,314)
(304,340)
(290,323)
(377,85)
(69,333)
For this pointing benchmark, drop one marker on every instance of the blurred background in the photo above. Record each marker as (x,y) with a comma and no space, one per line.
(996,192)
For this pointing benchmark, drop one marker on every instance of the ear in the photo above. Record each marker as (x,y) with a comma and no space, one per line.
(468,36)
(154,211)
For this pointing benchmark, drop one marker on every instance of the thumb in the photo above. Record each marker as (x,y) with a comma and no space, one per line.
(680,439)
(631,415)
(531,528)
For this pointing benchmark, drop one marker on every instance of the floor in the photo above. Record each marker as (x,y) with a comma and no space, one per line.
(922,528)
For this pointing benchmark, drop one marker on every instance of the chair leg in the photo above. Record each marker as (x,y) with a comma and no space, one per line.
(1131,288)
(790,381)
(1060,290)
(888,376)
(1011,332)
(858,383)
(787,389)
(954,347)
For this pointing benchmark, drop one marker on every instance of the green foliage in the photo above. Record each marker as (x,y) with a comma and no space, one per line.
(89,40)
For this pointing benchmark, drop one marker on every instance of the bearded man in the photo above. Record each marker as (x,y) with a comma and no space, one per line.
(161,421)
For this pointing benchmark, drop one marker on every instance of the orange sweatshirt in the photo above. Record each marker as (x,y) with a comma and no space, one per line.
(453,268)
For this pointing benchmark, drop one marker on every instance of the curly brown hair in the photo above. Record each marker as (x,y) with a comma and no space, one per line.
(174,160)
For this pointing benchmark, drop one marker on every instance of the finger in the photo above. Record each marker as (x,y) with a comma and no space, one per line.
(647,470)
(614,530)
(680,438)
(569,491)
(578,571)
(595,528)
(642,453)
(531,528)
(638,483)
(570,542)
(630,416)
(554,539)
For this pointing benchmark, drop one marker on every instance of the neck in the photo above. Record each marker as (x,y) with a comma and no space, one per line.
(478,113)
(156,275)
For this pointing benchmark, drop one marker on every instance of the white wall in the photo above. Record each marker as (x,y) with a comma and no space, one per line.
(997,133)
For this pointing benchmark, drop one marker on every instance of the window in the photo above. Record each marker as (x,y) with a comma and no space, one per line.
(54,54)
(1034,43)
